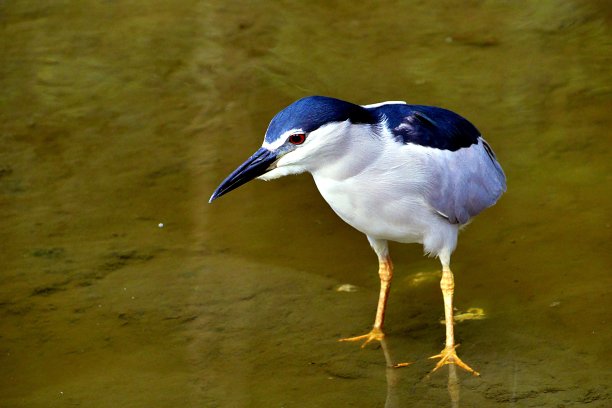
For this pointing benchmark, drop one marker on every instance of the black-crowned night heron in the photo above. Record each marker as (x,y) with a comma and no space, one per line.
(399,172)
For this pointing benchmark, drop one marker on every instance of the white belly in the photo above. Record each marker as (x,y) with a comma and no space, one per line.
(390,212)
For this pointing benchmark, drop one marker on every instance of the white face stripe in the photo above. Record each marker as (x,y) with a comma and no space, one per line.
(376,105)
(281,140)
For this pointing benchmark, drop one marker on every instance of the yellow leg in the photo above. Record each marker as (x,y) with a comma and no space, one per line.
(385,272)
(449,355)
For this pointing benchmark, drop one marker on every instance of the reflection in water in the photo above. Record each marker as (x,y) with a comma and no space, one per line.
(453,385)
(394,372)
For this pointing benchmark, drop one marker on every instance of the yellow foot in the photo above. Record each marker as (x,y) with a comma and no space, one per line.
(449,356)
(374,334)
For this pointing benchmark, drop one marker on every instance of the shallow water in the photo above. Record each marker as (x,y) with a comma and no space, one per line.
(120,286)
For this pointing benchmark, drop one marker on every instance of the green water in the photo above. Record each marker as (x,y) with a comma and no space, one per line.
(121,287)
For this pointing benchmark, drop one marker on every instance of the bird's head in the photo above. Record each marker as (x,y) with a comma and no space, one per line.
(305,133)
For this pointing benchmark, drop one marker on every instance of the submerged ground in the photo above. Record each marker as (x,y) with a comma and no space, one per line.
(121,286)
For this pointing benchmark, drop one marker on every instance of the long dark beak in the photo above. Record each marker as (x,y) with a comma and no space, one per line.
(259,163)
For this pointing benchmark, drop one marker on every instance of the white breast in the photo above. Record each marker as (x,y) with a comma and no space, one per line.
(380,190)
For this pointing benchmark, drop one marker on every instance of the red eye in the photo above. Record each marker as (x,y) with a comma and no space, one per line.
(297,138)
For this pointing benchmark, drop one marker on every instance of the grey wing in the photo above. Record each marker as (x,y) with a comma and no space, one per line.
(465,182)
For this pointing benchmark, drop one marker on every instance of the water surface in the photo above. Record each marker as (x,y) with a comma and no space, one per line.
(120,286)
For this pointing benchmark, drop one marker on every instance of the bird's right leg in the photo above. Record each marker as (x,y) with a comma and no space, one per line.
(385,272)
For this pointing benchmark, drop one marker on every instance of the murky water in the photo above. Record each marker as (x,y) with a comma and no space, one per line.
(120,286)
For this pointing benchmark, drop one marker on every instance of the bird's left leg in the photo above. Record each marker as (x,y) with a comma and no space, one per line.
(449,355)
(385,272)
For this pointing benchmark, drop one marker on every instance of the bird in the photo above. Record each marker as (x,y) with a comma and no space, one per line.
(393,171)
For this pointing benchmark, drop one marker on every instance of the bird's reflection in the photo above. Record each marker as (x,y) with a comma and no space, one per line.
(453,385)
(394,374)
